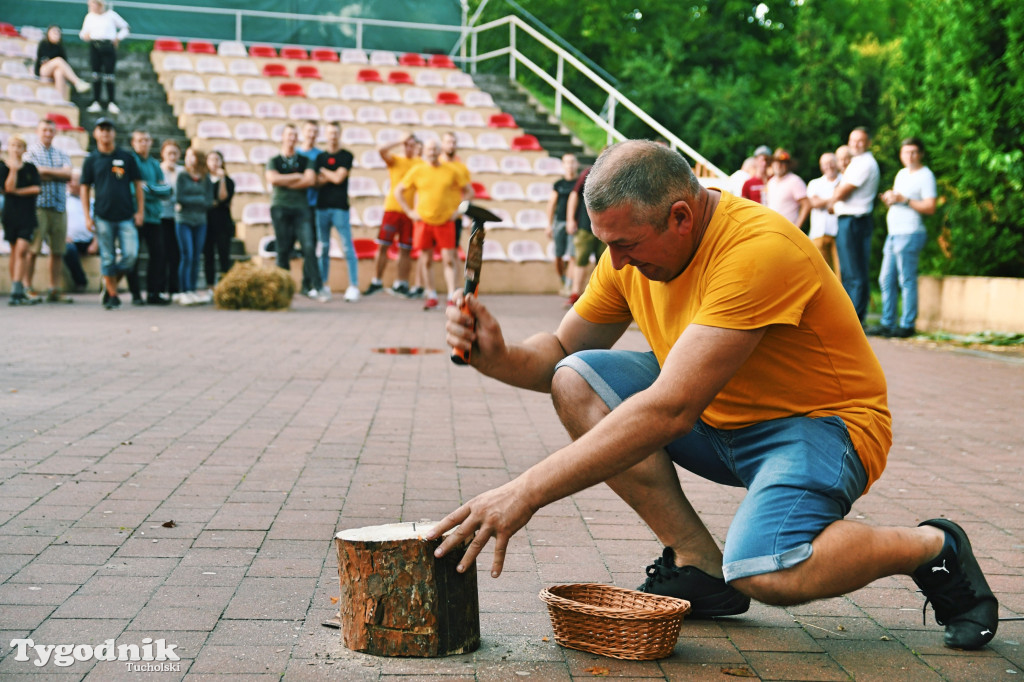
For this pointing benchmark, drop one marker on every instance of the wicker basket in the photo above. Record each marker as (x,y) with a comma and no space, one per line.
(613,621)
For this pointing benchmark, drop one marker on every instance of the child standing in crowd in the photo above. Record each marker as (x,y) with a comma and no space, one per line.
(220,228)
(193,196)
(20,183)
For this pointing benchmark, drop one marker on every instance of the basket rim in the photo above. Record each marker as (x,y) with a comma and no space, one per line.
(667,607)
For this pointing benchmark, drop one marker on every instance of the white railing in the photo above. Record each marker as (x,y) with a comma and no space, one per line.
(557,82)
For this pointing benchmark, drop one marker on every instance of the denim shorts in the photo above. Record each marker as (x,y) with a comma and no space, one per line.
(801,474)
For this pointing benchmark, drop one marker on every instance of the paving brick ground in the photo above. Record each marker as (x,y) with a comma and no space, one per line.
(262,434)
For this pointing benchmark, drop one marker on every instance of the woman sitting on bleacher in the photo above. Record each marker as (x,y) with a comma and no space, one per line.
(52,62)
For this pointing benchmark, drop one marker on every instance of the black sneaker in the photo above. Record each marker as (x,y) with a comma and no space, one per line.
(104,297)
(19,299)
(708,596)
(880,330)
(904,332)
(373,288)
(955,586)
(399,290)
(415,292)
(113,303)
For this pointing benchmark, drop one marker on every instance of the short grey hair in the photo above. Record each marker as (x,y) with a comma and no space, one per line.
(645,175)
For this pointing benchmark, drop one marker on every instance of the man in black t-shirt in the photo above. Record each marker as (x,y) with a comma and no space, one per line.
(20,183)
(332,168)
(560,192)
(114,218)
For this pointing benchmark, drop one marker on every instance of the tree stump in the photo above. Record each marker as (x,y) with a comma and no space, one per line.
(397,599)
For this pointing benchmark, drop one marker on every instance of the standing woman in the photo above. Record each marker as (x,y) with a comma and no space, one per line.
(170,154)
(193,197)
(104,30)
(220,228)
(52,62)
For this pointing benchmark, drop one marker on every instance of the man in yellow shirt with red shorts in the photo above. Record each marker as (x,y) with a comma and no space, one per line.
(395,224)
(439,188)
(759,376)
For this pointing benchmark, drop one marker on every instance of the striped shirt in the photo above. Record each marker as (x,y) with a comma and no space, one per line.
(52,193)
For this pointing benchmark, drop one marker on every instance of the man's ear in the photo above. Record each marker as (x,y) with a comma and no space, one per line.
(681,218)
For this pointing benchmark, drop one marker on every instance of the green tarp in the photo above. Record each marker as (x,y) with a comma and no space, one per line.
(165,19)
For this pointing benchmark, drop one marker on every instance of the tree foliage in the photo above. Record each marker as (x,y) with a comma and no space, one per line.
(728,75)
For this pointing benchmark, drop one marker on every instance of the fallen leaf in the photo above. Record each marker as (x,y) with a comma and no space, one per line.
(840,627)
(597,671)
(544,639)
(126,354)
(169,524)
(334,600)
(738,672)
(884,638)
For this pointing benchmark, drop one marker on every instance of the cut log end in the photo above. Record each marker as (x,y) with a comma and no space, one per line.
(397,599)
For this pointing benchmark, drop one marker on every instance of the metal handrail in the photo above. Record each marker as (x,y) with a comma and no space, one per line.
(615,97)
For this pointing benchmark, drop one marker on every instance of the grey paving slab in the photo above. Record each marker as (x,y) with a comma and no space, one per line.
(260,435)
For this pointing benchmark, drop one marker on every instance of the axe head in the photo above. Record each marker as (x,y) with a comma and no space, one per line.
(478,214)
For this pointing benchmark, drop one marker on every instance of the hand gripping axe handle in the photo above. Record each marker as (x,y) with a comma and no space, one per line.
(474,260)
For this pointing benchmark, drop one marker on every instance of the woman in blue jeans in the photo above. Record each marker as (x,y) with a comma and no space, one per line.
(193,197)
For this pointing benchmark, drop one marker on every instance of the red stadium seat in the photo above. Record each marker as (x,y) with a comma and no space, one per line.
(201,47)
(526,143)
(480,191)
(366,249)
(323,54)
(447,97)
(369,76)
(411,59)
(290,90)
(262,51)
(441,61)
(167,45)
(307,71)
(293,52)
(9,30)
(400,78)
(501,121)
(274,70)
(62,122)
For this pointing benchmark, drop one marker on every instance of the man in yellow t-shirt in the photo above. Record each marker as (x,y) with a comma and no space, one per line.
(395,224)
(439,189)
(759,376)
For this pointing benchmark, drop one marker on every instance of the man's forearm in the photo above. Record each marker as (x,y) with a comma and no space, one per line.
(530,364)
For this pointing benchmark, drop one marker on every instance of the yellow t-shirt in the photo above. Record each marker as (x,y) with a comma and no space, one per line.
(754,269)
(397,169)
(438,190)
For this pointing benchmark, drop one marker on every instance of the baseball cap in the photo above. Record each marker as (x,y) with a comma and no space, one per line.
(763,150)
(105,122)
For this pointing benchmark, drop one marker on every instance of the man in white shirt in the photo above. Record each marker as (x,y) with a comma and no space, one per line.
(787,192)
(825,225)
(103,29)
(912,196)
(853,202)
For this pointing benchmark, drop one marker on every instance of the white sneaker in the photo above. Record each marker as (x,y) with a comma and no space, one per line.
(113,108)
(325,294)
(95,108)
(176,297)
(83,87)
(352,294)
(314,294)
(204,296)
(184,298)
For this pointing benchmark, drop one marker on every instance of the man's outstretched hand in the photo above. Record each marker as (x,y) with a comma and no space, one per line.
(497,513)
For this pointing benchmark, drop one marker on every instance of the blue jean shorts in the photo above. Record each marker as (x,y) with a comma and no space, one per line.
(801,474)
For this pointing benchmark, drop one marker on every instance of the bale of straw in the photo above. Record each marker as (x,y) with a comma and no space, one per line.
(248,286)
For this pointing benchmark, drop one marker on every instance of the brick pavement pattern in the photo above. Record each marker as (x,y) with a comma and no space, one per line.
(261,434)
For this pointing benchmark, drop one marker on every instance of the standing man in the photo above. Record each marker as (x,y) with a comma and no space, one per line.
(911,198)
(824,225)
(104,30)
(396,225)
(20,182)
(307,148)
(786,192)
(54,168)
(332,168)
(853,201)
(439,188)
(155,191)
(754,186)
(119,210)
(758,377)
(557,212)
(450,154)
(290,174)
(577,223)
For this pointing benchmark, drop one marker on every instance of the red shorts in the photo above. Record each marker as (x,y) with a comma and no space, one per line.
(395,223)
(426,236)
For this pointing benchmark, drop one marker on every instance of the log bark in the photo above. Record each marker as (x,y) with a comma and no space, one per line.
(397,599)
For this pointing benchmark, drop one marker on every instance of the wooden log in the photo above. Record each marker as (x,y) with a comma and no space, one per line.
(397,599)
